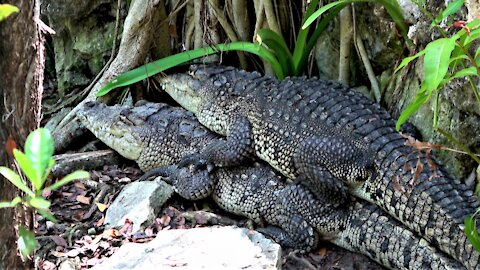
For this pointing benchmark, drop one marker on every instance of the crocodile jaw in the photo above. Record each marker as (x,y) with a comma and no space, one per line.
(115,134)
(184,89)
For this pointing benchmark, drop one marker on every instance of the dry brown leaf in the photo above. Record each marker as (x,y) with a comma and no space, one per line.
(83,199)
(101,206)
(111,233)
(322,252)
(100,221)
(59,241)
(79,185)
(47,265)
(164,220)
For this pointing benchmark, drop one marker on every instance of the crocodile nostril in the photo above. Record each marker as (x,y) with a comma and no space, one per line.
(125,112)
(90,104)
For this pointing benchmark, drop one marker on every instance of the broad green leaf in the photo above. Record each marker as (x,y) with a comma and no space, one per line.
(420,99)
(276,43)
(6,10)
(70,177)
(392,7)
(47,214)
(16,180)
(39,148)
(471,232)
(26,241)
(436,61)
(451,8)
(13,203)
(409,59)
(470,71)
(39,202)
(26,167)
(150,69)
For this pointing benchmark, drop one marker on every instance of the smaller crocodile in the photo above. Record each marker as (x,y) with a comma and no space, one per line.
(295,217)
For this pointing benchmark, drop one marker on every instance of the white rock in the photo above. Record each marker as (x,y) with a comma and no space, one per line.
(140,202)
(199,248)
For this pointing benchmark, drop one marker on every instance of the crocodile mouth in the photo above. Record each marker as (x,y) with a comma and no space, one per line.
(111,129)
(184,90)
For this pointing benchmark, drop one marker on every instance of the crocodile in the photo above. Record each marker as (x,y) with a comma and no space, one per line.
(296,218)
(301,126)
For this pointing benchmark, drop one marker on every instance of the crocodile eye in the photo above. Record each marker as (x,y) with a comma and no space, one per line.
(125,120)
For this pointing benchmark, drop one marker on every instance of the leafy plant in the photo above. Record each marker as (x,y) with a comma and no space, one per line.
(270,46)
(6,10)
(36,164)
(445,59)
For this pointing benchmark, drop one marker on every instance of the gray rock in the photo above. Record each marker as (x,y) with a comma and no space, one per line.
(140,202)
(199,248)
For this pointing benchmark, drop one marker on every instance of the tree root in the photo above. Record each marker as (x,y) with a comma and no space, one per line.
(136,41)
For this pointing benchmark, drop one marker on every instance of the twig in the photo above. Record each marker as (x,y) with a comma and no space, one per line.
(366,62)
(345,44)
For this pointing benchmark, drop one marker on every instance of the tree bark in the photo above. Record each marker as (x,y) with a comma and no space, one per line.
(22,54)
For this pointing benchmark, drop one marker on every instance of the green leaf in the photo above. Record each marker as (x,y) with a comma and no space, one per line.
(409,59)
(420,99)
(16,180)
(39,202)
(477,53)
(26,166)
(392,7)
(13,203)
(47,214)
(436,61)
(277,44)
(70,177)
(471,232)
(451,8)
(150,69)
(470,71)
(6,10)
(39,148)
(26,241)
(459,57)
(299,50)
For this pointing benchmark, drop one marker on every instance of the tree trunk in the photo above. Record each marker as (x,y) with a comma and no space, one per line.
(21,66)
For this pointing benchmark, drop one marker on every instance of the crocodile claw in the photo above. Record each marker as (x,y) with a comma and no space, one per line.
(196,161)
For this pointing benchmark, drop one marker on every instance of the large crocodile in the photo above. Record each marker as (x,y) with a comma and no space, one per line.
(160,135)
(294,125)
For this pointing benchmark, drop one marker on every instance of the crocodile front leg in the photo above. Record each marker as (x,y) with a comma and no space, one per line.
(234,150)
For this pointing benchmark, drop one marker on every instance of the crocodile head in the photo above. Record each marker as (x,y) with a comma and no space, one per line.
(152,134)
(115,127)
(200,86)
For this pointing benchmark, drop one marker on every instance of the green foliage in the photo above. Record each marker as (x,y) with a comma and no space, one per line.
(391,5)
(7,10)
(153,68)
(444,59)
(271,47)
(471,232)
(36,164)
